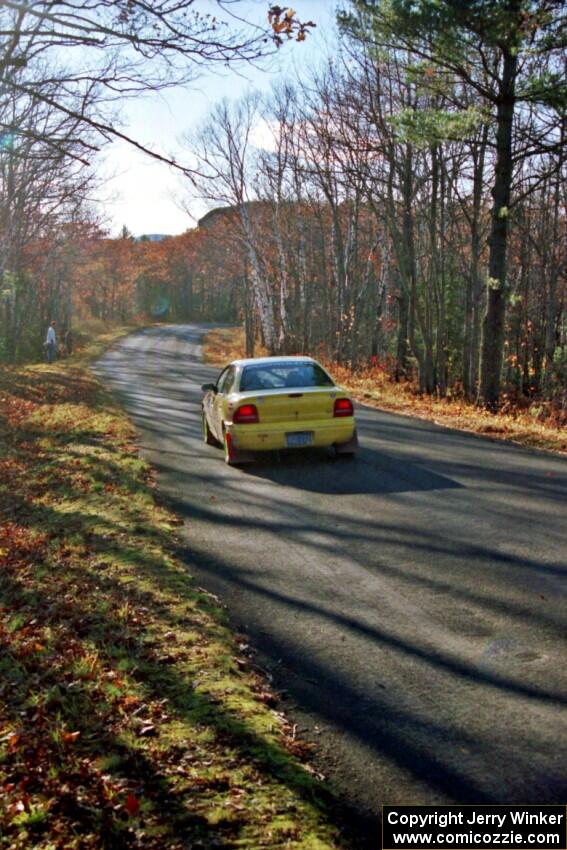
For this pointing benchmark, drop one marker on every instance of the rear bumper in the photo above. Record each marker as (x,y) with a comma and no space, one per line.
(272,436)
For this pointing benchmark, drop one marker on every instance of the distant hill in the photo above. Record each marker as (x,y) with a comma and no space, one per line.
(213,215)
(152,237)
(218,212)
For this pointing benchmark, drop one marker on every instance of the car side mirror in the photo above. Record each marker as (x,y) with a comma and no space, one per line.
(209,388)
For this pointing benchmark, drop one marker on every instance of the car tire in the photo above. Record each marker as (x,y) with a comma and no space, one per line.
(348,449)
(208,436)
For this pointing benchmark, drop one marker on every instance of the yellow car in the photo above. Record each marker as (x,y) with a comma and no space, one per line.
(271,403)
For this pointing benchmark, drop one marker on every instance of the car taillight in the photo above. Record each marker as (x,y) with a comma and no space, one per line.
(246,414)
(343,407)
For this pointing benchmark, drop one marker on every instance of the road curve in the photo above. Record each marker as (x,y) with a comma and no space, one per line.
(411,604)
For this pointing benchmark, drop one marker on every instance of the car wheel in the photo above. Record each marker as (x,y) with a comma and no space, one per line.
(208,436)
(348,449)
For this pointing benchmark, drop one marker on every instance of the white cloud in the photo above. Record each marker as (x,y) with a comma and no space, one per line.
(264,135)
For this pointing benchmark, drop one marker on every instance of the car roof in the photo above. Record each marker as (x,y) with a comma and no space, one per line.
(266,361)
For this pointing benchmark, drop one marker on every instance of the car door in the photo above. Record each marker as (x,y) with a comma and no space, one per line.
(224,386)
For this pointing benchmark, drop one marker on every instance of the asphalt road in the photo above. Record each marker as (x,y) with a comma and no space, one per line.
(411,604)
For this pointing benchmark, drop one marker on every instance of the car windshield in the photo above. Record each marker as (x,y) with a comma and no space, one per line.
(275,376)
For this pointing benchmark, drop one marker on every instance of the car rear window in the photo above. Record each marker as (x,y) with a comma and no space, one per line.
(283,375)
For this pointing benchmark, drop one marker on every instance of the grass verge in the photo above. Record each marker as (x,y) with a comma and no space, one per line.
(373,387)
(130,715)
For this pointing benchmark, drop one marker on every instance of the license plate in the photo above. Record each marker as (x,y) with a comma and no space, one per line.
(299,438)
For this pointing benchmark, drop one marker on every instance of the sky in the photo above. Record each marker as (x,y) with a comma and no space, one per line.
(145,195)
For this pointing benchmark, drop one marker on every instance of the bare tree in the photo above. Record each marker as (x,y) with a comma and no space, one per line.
(125,47)
(227,164)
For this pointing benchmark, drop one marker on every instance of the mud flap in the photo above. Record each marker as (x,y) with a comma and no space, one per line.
(234,456)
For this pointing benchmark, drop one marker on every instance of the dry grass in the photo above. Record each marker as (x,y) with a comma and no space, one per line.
(225,344)
(539,426)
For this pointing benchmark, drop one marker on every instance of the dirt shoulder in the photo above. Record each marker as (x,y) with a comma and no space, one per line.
(130,715)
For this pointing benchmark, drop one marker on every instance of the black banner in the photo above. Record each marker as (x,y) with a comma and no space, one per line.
(478,827)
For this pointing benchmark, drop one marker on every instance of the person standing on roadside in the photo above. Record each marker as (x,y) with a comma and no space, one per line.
(51,342)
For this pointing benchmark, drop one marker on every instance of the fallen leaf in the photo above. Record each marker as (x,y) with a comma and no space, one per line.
(71,737)
(14,740)
(132,805)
